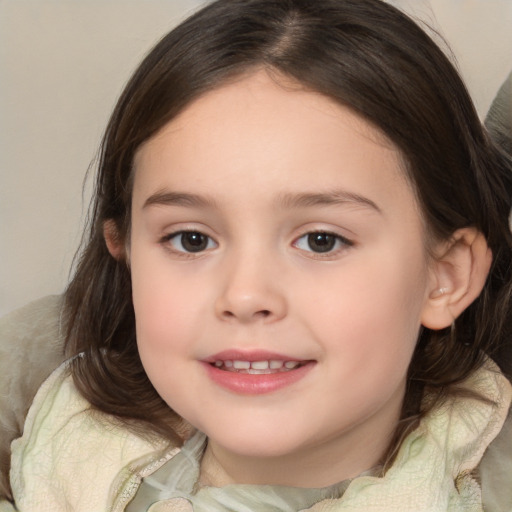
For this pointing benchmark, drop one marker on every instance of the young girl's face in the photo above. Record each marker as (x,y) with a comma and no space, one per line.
(279,278)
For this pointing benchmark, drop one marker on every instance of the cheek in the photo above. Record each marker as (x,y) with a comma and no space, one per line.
(165,318)
(166,326)
(167,307)
(374,308)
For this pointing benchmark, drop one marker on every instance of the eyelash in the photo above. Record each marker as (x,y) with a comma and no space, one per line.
(336,243)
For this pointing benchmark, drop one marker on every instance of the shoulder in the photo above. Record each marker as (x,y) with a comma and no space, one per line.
(499,117)
(495,470)
(31,347)
(70,454)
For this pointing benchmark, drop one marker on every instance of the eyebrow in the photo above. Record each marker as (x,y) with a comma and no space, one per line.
(168,198)
(335,197)
(286,200)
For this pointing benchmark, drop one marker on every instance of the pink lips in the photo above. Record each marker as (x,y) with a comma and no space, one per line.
(234,370)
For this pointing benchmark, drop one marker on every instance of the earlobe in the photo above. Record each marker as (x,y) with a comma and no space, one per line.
(113,240)
(458,277)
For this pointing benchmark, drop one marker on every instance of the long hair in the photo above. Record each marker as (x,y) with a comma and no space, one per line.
(364,54)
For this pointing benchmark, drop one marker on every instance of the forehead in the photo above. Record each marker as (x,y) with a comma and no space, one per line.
(272,132)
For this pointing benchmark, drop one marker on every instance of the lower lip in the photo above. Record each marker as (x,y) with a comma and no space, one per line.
(251,384)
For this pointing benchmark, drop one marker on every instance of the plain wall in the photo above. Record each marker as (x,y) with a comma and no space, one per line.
(62,65)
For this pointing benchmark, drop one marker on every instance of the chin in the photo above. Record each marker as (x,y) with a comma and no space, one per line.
(260,443)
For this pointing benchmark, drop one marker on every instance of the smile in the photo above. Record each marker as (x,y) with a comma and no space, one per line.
(255,372)
(263,367)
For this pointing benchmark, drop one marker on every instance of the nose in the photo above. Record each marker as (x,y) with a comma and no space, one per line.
(250,293)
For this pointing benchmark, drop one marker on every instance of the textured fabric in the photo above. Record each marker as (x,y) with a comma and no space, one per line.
(499,117)
(31,347)
(73,458)
(495,472)
(6,506)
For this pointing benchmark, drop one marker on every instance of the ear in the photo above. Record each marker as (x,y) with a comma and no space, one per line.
(458,276)
(113,240)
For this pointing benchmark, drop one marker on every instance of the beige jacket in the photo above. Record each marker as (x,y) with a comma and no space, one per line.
(73,458)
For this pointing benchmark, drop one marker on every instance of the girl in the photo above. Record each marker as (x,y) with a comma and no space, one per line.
(297,273)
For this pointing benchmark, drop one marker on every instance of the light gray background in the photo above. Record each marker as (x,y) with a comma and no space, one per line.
(62,65)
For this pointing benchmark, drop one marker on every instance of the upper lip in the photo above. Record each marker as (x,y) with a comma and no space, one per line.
(249,355)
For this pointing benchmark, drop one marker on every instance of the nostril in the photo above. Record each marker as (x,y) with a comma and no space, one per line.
(262,313)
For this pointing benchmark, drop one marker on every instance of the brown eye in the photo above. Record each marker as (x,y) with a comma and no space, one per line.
(194,242)
(190,241)
(321,242)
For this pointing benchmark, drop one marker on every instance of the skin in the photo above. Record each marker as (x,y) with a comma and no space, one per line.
(250,150)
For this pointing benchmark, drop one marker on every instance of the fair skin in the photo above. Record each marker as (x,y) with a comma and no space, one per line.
(226,266)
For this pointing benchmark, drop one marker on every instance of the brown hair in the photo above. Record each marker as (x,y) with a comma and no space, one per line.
(362,53)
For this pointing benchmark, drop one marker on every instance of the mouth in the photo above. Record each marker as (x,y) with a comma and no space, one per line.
(263,367)
(255,372)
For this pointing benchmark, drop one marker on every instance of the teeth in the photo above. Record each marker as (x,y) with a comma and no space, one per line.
(241,365)
(257,367)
